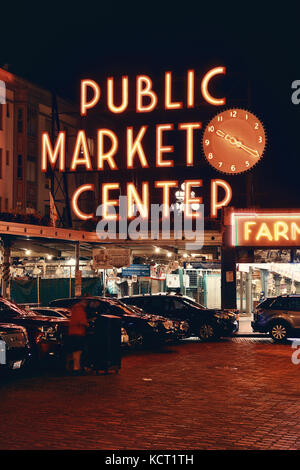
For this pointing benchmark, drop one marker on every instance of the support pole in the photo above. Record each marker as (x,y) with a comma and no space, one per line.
(249,302)
(6,267)
(241,291)
(228,272)
(38,289)
(78,283)
(277,279)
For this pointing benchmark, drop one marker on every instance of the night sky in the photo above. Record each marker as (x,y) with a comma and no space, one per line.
(55,48)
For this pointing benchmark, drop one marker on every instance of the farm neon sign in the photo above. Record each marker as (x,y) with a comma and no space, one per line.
(265,229)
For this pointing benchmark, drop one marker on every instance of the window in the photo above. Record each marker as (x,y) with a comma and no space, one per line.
(6,204)
(20,167)
(7,157)
(1,154)
(294,304)
(32,121)
(31,170)
(0,204)
(280,303)
(7,110)
(20,120)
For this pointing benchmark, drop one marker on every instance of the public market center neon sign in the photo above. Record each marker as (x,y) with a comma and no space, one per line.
(108,144)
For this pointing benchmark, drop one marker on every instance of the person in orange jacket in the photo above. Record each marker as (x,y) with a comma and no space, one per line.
(76,334)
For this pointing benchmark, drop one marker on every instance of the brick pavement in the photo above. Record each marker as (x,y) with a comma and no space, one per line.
(236,394)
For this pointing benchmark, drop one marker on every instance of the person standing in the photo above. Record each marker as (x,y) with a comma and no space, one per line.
(76,335)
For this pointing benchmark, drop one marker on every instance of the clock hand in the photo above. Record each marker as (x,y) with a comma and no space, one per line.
(220,133)
(237,143)
(252,152)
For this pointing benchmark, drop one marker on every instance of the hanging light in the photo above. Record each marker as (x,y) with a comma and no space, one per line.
(36,271)
(59,271)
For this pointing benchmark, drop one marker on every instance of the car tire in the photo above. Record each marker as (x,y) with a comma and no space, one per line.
(279,331)
(207,332)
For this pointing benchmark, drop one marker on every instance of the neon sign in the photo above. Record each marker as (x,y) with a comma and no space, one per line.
(265,229)
(54,154)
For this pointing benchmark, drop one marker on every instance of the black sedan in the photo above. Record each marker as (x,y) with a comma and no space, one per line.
(44,333)
(14,346)
(207,324)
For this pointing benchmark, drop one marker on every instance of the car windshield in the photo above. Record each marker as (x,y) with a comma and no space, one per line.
(120,308)
(48,313)
(266,303)
(6,305)
(188,301)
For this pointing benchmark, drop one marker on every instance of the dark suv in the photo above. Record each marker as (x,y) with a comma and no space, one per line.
(278,316)
(44,333)
(207,324)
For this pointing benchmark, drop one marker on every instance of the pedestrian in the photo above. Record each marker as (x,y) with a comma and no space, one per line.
(76,335)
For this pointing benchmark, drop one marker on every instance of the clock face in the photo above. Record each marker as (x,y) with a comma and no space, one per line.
(234,141)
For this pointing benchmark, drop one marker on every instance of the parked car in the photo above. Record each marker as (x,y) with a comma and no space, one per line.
(44,333)
(52,312)
(278,316)
(174,329)
(14,346)
(142,329)
(207,324)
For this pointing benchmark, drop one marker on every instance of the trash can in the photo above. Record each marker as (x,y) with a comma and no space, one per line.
(104,344)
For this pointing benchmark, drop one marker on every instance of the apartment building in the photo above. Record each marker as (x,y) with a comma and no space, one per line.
(25,115)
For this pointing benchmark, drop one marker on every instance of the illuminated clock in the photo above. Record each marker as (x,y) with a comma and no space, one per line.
(234,141)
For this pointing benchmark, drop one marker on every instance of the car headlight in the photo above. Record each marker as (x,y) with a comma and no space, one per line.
(184,326)
(45,332)
(225,315)
(168,324)
(152,323)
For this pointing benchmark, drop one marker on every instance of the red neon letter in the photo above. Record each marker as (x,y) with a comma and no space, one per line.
(215,204)
(84,104)
(136,147)
(113,149)
(160,149)
(106,202)
(142,204)
(78,192)
(110,95)
(190,89)
(204,86)
(47,150)
(168,93)
(146,91)
(81,148)
(189,127)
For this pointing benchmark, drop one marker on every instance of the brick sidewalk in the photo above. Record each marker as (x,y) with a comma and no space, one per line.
(236,394)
